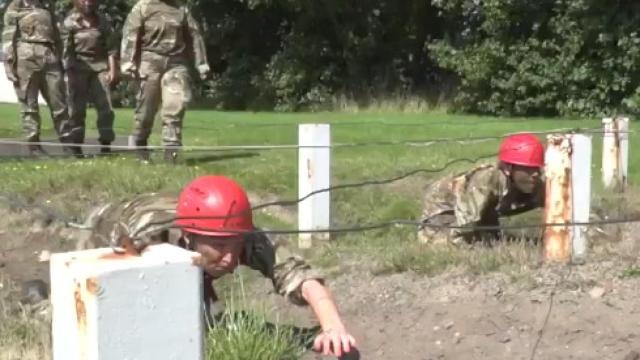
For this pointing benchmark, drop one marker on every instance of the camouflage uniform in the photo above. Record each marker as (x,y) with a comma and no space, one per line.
(86,50)
(138,216)
(478,197)
(160,37)
(31,45)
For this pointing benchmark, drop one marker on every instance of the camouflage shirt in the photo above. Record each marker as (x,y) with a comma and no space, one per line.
(477,197)
(160,29)
(31,24)
(149,217)
(87,47)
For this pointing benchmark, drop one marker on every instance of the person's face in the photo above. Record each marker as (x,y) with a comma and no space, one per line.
(220,255)
(525,178)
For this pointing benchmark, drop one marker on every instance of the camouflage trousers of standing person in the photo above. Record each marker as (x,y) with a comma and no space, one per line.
(39,71)
(90,86)
(165,85)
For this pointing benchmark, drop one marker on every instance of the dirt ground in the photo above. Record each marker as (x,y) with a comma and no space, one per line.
(582,312)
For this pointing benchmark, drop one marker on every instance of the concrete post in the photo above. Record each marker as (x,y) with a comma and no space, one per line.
(568,196)
(557,245)
(615,152)
(108,306)
(581,193)
(314,173)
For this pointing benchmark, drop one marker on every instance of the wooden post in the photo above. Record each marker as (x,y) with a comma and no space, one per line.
(557,246)
(314,173)
(580,193)
(615,152)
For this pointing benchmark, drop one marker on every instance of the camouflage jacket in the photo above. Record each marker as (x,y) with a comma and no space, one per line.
(161,31)
(28,25)
(87,47)
(478,197)
(150,217)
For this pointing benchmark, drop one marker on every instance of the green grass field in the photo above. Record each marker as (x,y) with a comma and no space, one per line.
(73,186)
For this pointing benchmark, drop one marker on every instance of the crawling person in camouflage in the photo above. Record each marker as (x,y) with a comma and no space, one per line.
(31,45)
(90,49)
(160,39)
(481,196)
(213,217)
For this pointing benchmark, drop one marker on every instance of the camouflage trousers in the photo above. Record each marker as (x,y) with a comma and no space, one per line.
(39,72)
(431,232)
(168,89)
(90,86)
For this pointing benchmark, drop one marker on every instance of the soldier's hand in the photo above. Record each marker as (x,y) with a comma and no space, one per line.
(205,75)
(11,75)
(337,342)
(120,239)
(113,77)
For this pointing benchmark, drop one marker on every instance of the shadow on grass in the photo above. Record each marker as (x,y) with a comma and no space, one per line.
(197,160)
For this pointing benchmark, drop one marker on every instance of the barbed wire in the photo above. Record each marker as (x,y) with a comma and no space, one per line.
(214,148)
(13,200)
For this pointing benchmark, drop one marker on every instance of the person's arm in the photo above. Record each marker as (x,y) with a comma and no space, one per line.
(334,339)
(112,50)
(9,37)
(68,45)
(294,279)
(130,46)
(198,46)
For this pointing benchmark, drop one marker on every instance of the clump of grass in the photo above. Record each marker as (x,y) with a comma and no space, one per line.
(631,272)
(481,259)
(241,332)
(24,334)
(247,335)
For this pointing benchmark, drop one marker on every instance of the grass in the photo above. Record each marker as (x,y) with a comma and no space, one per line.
(23,333)
(631,272)
(244,331)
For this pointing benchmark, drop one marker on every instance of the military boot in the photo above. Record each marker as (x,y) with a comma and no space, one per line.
(75,151)
(142,153)
(106,148)
(171,156)
(36,150)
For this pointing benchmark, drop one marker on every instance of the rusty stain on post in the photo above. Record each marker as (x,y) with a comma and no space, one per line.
(557,239)
(81,316)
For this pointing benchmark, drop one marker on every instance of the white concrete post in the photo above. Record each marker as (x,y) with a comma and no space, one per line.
(615,152)
(581,192)
(314,173)
(108,306)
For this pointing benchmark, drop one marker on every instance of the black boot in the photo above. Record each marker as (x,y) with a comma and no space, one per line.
(75,151)
(36,150)
(143,153)
(106,148)
(171,156)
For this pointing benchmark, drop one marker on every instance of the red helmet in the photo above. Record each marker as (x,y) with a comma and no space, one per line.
(522,149)
(205,202)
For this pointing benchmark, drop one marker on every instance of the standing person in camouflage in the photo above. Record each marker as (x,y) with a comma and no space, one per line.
(213,216)
(160,39)
(90,51)
(482,195)
(31,45)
